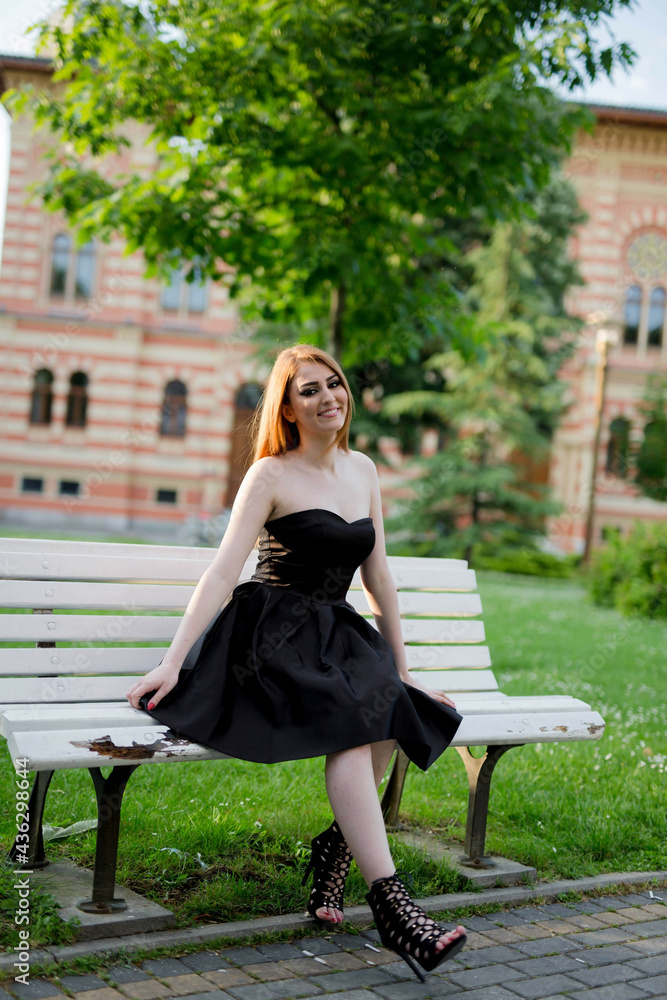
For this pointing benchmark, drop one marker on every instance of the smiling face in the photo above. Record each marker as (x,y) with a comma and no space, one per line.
(317,399)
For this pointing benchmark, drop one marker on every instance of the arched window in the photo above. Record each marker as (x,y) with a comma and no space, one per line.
(60,263)
(77,400)
(656,317)
(85,269)
(174,410)
(618,447)
(247,399)
(41,398)
(633,308)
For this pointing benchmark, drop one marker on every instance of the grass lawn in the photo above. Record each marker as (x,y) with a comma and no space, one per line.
(568,809)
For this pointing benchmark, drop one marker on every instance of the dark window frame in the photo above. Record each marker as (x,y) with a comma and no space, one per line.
(173,421)
(77,400)
(41,399)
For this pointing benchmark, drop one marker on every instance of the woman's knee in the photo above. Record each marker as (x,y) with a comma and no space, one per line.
(361,753)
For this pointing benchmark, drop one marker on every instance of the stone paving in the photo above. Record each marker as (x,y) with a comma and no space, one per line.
(611,948)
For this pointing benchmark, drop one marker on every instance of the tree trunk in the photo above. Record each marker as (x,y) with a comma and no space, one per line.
(338,296)
(476,504)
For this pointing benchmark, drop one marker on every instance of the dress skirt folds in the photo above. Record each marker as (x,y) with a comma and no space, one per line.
(288,669)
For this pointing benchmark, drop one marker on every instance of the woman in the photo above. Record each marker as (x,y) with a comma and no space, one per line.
(288,669)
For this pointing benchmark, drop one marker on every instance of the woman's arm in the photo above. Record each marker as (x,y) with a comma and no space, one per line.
(250,510)
(381,593)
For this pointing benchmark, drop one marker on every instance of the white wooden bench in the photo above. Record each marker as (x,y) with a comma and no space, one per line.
(64,706)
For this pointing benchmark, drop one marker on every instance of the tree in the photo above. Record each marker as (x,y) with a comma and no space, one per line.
(321,150)
(498,412)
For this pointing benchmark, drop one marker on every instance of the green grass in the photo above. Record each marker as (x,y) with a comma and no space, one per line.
(568,809)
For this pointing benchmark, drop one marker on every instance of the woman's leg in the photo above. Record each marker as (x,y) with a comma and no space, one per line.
(381,753)
(353,796)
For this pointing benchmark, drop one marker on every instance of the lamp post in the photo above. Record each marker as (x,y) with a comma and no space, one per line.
(606,336)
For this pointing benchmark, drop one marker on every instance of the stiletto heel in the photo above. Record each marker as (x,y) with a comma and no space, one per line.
(331,860)
(406,958)
(406,929)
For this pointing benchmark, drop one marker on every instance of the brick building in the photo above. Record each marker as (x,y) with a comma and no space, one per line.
(127,402)
(620,174)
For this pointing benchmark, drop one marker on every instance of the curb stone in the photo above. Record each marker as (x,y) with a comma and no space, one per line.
(358,915)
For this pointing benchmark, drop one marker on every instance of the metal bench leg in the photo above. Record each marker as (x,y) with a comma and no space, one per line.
(109,792)
(479,771)
(35,856)
(391,799)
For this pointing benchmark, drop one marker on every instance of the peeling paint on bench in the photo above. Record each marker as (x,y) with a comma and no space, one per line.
(106,747)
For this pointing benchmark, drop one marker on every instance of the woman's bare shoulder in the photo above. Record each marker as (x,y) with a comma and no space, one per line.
(263,475)
(363,462)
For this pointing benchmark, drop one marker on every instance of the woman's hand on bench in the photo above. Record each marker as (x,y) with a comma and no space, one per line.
(438,695)
(161,680)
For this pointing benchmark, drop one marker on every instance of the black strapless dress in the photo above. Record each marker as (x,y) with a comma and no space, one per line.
(288,669)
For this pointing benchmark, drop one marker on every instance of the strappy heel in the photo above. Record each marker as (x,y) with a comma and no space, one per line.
(331,860)
(406,929)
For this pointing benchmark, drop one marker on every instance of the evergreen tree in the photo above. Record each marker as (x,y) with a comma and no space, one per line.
(497,411)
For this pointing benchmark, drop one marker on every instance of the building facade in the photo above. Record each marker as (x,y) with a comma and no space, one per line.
(127,401)
(620,174)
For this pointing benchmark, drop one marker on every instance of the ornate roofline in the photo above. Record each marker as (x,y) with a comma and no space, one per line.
(635,116)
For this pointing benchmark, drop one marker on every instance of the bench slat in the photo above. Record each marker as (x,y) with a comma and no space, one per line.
(132,744)
(54,689)
(57,565)
(147,551)
(26,662)
(49,545)
(47,717)
(157,628)
(92,596)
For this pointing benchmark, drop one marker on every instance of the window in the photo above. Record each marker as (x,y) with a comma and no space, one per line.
(181,295)
(174,410)
(85,269)
(69,282)
(197,292)
(77,400)
(29,485)
(633,308)
(60,263)
(68,488)
(171,296)
(166,496)
(656,317)
(41,399)
(618,447)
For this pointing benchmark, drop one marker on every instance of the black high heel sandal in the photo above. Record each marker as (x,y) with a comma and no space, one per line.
(406,929)
(331,860)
